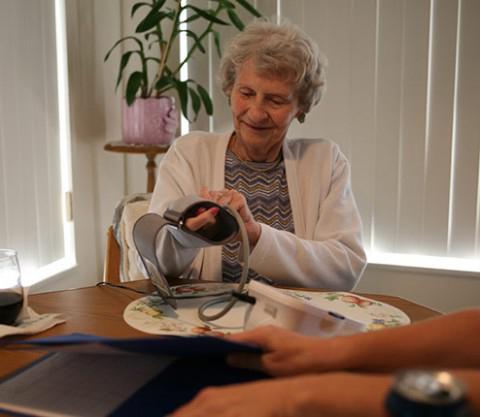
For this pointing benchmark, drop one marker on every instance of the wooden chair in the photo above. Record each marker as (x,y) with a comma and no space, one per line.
(119,264)
(111,267)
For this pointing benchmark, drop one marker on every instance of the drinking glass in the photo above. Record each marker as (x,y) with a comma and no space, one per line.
(11,290)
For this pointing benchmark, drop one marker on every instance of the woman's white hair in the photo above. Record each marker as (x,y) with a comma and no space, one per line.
(279,50)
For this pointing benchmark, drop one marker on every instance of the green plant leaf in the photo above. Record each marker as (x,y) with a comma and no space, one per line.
(195,38)
(157,33)
(208,16)
(235,20)
(163,84)
(225,3)
(152,19)
(196,102)
(136,6)
(216,40)
(161,44)
(191,18)
(133,85)
(181,87)
(139,43)
(170,13)
(228,4)
(123,63)
(207,102)
(157,5)
(246,5)
(154,59)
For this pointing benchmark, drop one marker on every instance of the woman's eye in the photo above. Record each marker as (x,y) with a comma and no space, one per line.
(244,90)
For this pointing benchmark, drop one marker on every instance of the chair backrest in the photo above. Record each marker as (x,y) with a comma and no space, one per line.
(120,255)
(111,267)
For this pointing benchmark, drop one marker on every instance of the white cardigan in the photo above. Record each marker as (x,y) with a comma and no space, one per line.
(325,251)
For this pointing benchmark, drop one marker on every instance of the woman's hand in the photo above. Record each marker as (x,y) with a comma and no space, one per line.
(204,218)
(286,352)
(236,201)
(259,399)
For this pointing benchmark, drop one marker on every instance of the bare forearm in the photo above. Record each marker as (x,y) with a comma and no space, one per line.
(360,395)
(343,395)
(471,379)
(328,395)
(431,343)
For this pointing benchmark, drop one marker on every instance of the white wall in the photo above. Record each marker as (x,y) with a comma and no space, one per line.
(441,290)
(102,178)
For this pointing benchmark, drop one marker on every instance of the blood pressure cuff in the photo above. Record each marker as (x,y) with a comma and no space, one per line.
(148,227)
(224,229)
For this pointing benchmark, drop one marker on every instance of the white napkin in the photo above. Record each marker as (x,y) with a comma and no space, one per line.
(30,322)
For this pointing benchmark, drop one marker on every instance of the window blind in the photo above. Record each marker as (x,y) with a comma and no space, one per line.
(402,101)
(33,159)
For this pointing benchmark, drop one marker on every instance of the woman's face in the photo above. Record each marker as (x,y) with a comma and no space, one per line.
(262,108)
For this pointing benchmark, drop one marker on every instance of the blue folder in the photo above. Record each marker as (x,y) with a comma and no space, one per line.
(179,346)
(199,362)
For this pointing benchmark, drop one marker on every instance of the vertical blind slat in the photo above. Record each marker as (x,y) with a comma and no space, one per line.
(412,126)
(294,10)
(224,120)
(466,134)
(329,27)
(387,127)
(362,141)
(440,118)
(31,220)
(269,7)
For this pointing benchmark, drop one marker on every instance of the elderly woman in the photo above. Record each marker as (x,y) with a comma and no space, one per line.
(294,195)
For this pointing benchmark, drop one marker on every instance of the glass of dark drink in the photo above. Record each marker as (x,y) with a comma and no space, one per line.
(11,290)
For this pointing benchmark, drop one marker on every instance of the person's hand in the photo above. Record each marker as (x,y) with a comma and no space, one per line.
(328,395)
(237,202)
(259,399)
(285,352)
(204,218)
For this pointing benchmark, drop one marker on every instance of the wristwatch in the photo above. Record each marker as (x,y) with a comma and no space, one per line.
(427,393)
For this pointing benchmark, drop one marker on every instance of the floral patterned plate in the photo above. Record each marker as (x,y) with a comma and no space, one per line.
(374,314)
(151,315)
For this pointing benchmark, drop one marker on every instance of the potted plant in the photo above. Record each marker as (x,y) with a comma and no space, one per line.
(149,115)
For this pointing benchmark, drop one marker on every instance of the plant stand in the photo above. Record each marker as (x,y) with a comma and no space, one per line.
(150,151)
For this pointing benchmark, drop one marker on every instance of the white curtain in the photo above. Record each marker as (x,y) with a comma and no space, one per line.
(31,197)
(403,102)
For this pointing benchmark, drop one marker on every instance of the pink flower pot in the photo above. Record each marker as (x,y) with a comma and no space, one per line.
(149,121)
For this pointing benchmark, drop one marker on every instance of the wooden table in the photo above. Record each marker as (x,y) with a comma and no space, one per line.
(99,310)
(150,151)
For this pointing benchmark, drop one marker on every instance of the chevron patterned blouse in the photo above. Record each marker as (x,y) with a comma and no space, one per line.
(264,185)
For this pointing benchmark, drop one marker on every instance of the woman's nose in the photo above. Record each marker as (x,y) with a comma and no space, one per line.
(257,111)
